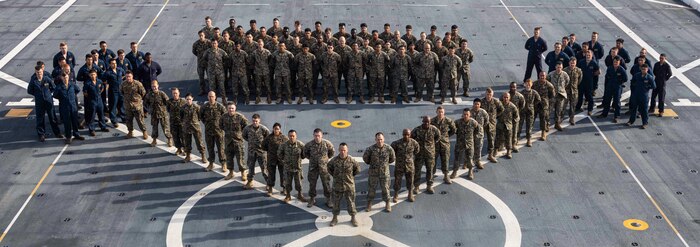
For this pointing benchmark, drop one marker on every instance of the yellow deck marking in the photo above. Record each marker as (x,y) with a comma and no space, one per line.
(667,113)
(635,224)
(18,113)
(341,124)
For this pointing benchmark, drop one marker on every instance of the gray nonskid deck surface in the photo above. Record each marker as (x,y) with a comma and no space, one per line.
(571,190)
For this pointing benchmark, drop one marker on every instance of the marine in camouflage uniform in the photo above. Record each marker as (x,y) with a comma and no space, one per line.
(343,50)
(343,168)
(198,48)
(239,72)
(254,134)
(450,65)
(270,145)
(211,113)
(330,63)
(377,62)
(519,101)
(482,118)
(317,48)
(504,129)
(319,151)
(425,66)
(493,107)
(133,93)
(355,62)
(232,123)
(442,148)
(427,136)
(305,63)
(228,46)
(282,62)
(214,59)
(261,60)
(575,76)
(291,153)
(406,150)
(546,91)
(189,115)
(464,74)
(174,105)
(467,131)
(560,81)
(527,114)
(400,65)
(157,101)
(378,157)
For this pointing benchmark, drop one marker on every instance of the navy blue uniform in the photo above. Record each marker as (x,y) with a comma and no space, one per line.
(553,58)
(106,55)
(597,49)
(114,79)
(576,47)
(590,73)
(609,61)
(639,87)
(622,52)
(147,73)
(84,73)
(569,51)
(125,65)
(42,91)
(70,60)
(535,49)
(662,72)
(92,90)
(614,79)
(68,106)
(135,59)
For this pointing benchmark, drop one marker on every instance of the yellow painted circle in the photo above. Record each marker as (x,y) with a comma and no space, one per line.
(341,124)
(636,225)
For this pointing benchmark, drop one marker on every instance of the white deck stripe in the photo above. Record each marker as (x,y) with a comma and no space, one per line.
(689,66)
(669,4)
(154,20)
(35,33)
(13,80)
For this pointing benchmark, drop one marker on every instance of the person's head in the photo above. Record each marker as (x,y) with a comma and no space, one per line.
(330,48)
(260,44)
(542,76)
(41,64)
(536,33)
(528,84)
(304,48)
(438,44)
(95,55)
(121,54)
(211,97)
(409,29)
(363,27)
(387,27)
(477,104)
(217,32)
(433,29)
(103,45)
(397,35)
(207,21)
(425,122)
(63,47)
(232,22)
(329,32)
(412,46)
(318,25)
(237,47)
(353,32)
(402,50)
(559,66)
(662,58)
(378,47)
(282,47)
(318,135)
(231,108)
(423,36)
(292,135)
(154,85)
(253,24)
(375,34)
(463,44)
(387,45)
(276,22)
(505,98)
(263,31)
(643,52)
(513,87)
(584,47)
(379,139)
(227,36)
(572,63)
(645,69)
(256,120)
(129,76)
(134,46)
(613,51)
(297,25)
(589,55)
(89,59)
(557,47)
(341,27)
(440,112)
(594,36)
(248,38)
(489,93)
(277,129)
(448,35)
(39,72)
(466,114)
(66,78)
(175,92)
(406,134)
(565,41)
(619,43)
(426,48)
(147,57)
(113,63)
(641,60)
(189,98)
(341,41)
(616,62)
(343,150)
(355,46)
(214,44)
(65,67)
(451,50)
(572,37)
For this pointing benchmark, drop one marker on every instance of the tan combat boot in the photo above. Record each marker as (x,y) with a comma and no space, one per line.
(269,191)
(224,169)
(471,174)
(479,165)
(369,206)
(415,189)
(393,99)
(446,179)
(145,134)
(204,157)
(312,202)
(334,221)
(388,206)
(508,154)
(544,136)
(288,197)
(179,151)
(492,157)
(244,175)
(249,185)
(454,174)
(300,197)
(395,199)
(154,143)
(353,221)
(411,196)
(187,158)
(299,101)
(209,167)
(454,100)
(430,189)
(529,142)
(257,100)
(229,175)
(130,134)
(380,99)
(170,142)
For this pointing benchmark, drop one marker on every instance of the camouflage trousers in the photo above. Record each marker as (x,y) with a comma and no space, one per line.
(239,81)
(330,83)
(262,82)
(442,152)
(201,72)
(290,177)
(448,84)
(316,171)
(376,86)
(354,83)
(218,141)
(399,175)
(282,86)
(234,153)
(349,196)
(197,135)
(465,77)
(490,136)
(274,166)
(381,180)
(399,84)
(572,98)
(543,114)
(514,133)
(216,84)
(527,119)
(261,159)
(164,123)
(428,83)
(177,135)
(134,113)
(463,155)
(429,163)
(559,102)
(478,146)
(305,86)
(504,136)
